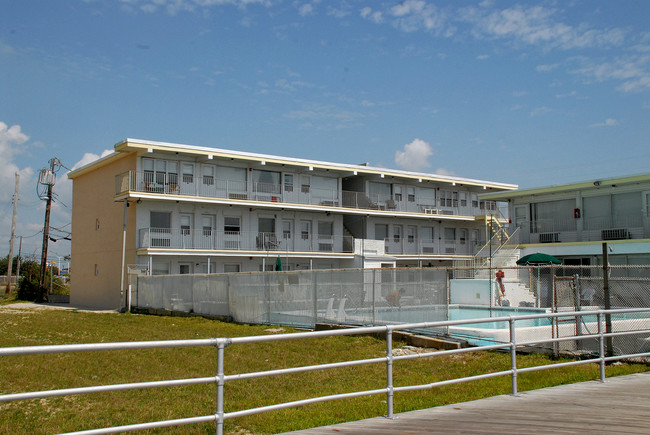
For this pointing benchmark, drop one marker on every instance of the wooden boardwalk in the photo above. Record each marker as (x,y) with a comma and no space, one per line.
(621,405)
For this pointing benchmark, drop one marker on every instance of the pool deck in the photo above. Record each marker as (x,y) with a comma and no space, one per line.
(621,405)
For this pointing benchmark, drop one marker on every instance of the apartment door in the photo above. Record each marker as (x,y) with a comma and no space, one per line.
(186,231)
(187,178)
(207,231)
(474,241)
(184,268)
(463,246)
(304,243)
(289,193)
(287,235)
(411,246)
(232,232)
(266,239)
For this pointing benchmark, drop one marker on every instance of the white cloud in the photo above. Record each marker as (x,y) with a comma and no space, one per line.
(483,57)
(547,67)
(538,25)
(306,9)
(10,138)
(415,155)
(537,111)
(377,17)
(414,15)
(632,71)
(609,122)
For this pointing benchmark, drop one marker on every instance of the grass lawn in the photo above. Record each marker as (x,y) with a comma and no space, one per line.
(28,327)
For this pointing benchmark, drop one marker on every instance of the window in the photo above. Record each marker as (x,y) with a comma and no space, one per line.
(397,233)
(552,216)
(288,182)
(520,215)
(305,184)
(463,199)
(450,234)
(161,171)
(160,268)
(231,268)
(411,233)
(324,187)
(266,225)
(474,200)
(266,181)
(188,173)
(231,225)
(172,173)
(186,224)
(207,222)
(379,189)
(397,191)
(184,269)
(463,236)
(158,219)
(325,230)
(427,234)
(208,175)
(410,191)
(381,231)
(147,167)
(448,198)
(426,196)
(235,178)
(286,229)
(305,229)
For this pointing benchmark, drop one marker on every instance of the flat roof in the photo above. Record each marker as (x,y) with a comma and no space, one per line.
(583,185)
(131,145)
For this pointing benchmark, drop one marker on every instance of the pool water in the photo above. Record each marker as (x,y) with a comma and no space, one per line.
(473,312)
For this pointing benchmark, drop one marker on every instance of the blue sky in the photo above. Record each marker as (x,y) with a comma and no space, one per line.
(529,93)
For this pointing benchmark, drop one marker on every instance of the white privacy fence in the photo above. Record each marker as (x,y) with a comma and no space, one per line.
(600,337)
(297,298)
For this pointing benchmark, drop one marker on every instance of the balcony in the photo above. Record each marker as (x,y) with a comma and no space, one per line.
(211,240)
(583,230)
(208,187)
(415,246)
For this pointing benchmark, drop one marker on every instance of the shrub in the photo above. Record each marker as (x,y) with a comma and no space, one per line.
(28,290)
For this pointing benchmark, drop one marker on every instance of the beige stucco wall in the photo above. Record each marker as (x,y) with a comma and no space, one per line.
(97,223)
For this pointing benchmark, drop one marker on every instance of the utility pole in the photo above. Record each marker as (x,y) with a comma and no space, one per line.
(46,178)
(10,264)
(20,248)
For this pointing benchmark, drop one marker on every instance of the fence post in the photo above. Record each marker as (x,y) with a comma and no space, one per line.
(513,355)
(314,277)
(374,304)
(221,345)
(389,371)
(601,347)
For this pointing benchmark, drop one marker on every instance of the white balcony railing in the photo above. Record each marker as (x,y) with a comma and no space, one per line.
(584,230)
(168,238)
(209,187)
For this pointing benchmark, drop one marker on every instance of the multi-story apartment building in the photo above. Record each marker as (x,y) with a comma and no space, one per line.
(572,221)
(180,209)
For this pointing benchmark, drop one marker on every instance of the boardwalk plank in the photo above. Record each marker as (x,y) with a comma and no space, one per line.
(621,405)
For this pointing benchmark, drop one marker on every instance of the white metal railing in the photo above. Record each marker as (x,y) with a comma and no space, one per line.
(178,238)
(603,335)
(590,230)
(173,184)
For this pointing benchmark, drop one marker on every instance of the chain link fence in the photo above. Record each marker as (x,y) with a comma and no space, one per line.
(361,297)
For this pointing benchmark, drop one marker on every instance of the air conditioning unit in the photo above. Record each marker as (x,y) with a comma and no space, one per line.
(549,237)
(615,234)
